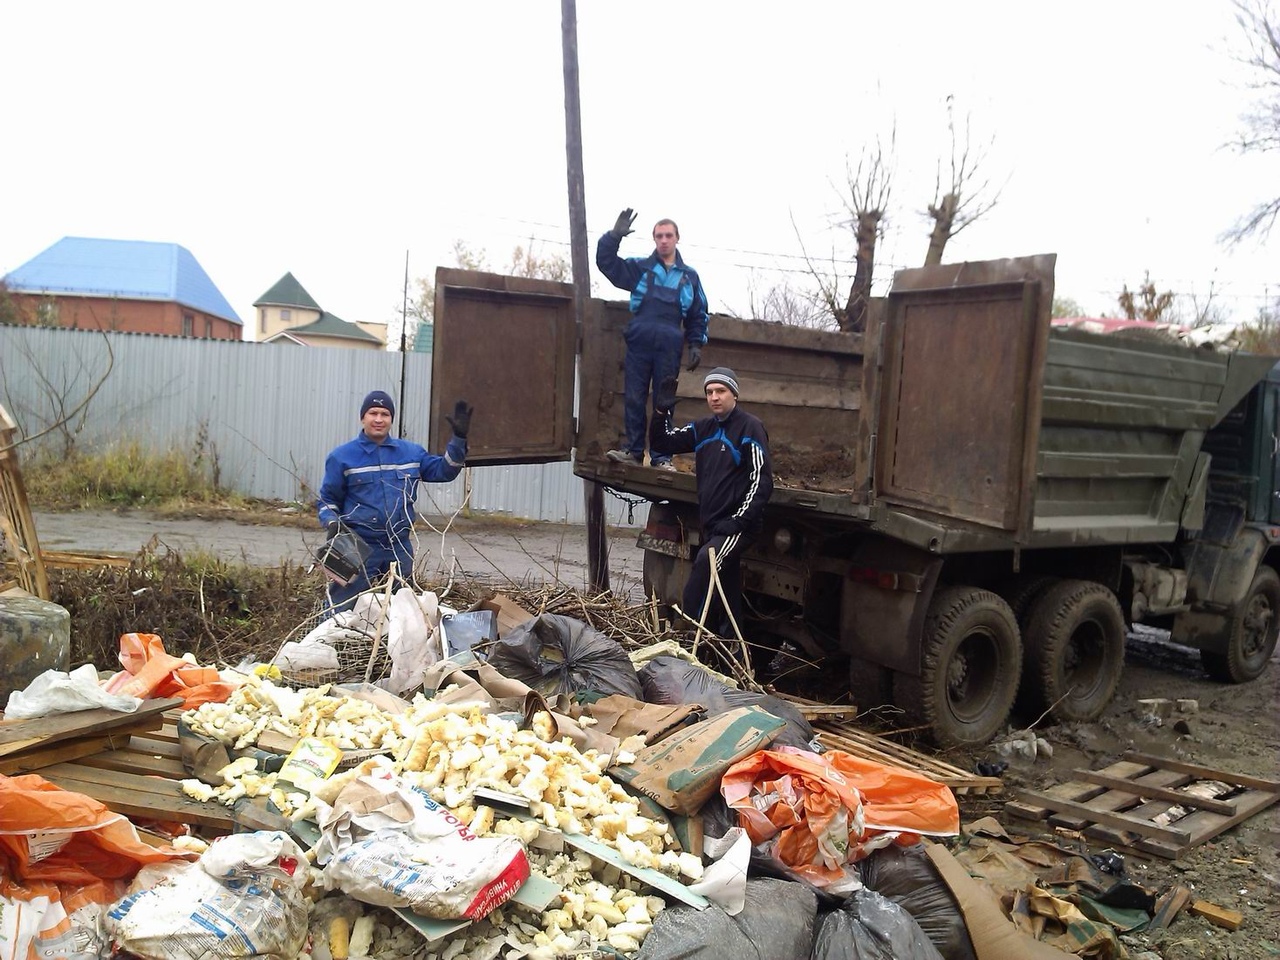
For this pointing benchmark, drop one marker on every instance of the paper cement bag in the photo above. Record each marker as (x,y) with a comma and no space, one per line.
(391,845)
(684,770)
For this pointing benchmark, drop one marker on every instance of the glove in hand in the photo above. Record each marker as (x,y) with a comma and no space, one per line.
(334,528)
(665,398)
(622,226)
(695,356)
(461,419)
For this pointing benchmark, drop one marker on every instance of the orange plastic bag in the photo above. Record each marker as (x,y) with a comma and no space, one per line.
(57,836)
(151,672)
(819,812)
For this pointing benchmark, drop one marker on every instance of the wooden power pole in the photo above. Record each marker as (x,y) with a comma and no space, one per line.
(593,493)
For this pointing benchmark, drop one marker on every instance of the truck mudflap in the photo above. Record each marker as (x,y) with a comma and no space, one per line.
(1221,575)
(885,595)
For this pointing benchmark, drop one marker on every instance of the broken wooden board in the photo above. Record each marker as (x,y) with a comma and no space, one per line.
(16,522)
(859,743)
(1120,803)
(17,736)
(813,710)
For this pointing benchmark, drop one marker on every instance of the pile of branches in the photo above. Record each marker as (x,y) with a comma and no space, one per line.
(226,612)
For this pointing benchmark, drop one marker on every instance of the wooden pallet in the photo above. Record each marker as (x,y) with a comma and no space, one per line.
(1118,804)
(134,770)
(845,736)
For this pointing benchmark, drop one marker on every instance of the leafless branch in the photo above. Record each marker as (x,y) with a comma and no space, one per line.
(1260,123)
(968,195)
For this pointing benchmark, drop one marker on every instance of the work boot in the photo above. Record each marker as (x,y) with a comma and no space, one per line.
(665,465)
(622,456)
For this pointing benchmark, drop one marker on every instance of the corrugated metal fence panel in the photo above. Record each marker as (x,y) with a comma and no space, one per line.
(269,413)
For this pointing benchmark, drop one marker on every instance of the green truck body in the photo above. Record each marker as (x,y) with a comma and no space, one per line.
(969,505)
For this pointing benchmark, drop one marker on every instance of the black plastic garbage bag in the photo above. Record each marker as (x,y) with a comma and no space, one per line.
(555,654)
(672,680)
(908,877)
(870,927)
(776,923)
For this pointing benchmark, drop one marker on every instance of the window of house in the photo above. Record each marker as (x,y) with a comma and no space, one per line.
(188,325)
(208,328)
(262,319)
(286,315)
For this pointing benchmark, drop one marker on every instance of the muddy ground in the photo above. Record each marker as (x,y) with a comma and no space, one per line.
(1236,728)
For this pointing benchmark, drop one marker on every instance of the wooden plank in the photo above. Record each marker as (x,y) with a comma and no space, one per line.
(871,741)
(148,798)
(1218,916)
(1128,801)
(126,761)
(1205,773)
(1133,824)
(1203,825)
(18,735)
(153,748)
(942,772)
(1152,791)
(1168,907)
(33,760)
(1026,808)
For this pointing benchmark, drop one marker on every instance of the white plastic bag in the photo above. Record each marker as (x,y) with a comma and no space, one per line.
(389,844)
(243,898)
(408,635)
(57,692)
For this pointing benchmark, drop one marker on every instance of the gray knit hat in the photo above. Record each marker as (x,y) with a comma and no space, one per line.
(721,375)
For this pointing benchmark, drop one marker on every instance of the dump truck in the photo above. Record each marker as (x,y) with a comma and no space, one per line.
(970,506)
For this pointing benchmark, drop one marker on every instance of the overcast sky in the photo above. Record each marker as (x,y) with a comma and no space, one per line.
(327,139)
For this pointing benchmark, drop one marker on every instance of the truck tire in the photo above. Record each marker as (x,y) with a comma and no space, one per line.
(970,660)
(1074,651)
(1022,594)
(1252,639)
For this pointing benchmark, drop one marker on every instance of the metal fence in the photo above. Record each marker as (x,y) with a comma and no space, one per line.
(265,414)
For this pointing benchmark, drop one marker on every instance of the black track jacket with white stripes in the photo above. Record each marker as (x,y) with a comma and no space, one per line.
(735,477)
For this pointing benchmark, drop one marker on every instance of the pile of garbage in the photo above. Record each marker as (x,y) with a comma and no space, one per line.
(540,794)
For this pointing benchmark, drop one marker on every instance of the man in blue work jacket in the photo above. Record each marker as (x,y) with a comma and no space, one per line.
(369,488)
(668,310)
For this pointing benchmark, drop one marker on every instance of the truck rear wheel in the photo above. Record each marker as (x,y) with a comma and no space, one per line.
(970,660)
(1252,639)
(1074,650)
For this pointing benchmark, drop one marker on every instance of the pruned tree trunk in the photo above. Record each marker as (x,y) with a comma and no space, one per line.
(855,312)
(944,218)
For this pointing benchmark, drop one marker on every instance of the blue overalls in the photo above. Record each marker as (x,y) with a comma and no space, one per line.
(655,341)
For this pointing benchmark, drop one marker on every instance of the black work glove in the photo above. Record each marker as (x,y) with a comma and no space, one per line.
(334,528)
(695,356)
(622,226)
(461,419)
(665,399)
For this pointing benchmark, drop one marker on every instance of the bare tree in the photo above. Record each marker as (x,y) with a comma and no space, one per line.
(969,195)
(1066,307)
(865,198)
(65,390)
(782,302)
(1260,130)
(1146,303)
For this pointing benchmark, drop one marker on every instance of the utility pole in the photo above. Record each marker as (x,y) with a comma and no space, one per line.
(593,493)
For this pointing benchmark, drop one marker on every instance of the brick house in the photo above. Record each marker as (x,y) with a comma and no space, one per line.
(136,286)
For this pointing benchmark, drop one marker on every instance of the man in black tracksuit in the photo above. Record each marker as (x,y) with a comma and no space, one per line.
(735,479)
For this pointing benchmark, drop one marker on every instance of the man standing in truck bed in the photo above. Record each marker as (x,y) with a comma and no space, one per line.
(668,309)
(735,479)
